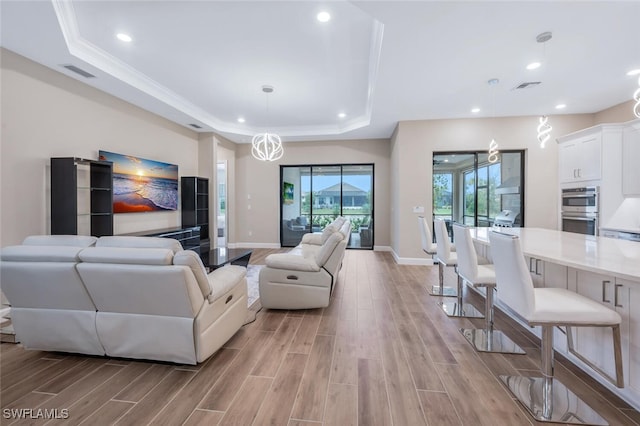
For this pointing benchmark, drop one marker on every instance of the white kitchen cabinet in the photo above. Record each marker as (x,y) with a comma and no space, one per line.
(593,157)
(631,160)
(580,159)
(596,343)
(546,274)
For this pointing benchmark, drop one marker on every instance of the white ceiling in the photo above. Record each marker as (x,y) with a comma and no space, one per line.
(380,62)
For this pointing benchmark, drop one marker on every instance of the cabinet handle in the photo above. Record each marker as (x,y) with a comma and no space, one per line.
(530,264)
(604,289)
(537,263)
(615,297)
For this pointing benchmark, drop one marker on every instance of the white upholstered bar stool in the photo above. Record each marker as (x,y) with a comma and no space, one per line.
(469,269)
(429,247)
(448,258)
(546,398)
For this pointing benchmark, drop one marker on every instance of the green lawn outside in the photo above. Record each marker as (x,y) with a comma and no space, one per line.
(355,211)
(446,211)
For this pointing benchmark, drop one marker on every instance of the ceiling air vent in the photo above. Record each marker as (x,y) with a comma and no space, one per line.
(79,71)
(527,85)
(195,126)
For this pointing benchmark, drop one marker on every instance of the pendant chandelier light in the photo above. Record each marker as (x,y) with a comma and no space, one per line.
(267,146)
(636,97)
(544,128)
(493,145)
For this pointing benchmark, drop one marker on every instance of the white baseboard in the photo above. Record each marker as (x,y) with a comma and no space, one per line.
(382,248)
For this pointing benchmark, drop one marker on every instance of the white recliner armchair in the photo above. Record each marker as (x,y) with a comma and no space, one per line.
(304,278)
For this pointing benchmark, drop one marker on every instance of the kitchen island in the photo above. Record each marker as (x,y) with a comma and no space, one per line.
(603,269)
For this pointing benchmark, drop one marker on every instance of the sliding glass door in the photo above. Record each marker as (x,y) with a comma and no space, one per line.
(312,196)
(468,189)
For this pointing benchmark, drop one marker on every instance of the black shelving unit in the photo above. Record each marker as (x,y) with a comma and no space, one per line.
(188,237)
(195,208)
(81,197)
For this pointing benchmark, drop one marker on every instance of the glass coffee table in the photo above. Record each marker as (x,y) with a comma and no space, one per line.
(221,256)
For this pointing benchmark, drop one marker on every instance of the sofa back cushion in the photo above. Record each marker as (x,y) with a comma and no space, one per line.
(139,281)
(60,240)
(327,232)
(43,277)
(323,254)
(139,242)
(345,229)
(191,259)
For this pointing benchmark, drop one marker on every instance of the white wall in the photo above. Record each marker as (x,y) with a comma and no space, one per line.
(46,114)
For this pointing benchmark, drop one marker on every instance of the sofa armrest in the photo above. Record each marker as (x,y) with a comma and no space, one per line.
(292,262)
(224,279)
(312,239)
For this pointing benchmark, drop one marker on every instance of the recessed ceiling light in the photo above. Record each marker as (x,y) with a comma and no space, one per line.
(323,17)
(533,65)
(446,160)
(634,72)
(475,110)
(241,120)
(342,115)
(124,37)
(561,106)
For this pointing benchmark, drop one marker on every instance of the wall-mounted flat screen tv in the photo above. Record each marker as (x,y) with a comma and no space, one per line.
(141,185)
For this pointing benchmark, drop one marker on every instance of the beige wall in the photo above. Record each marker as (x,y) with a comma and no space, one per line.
(616,114)
(46,114)
(257,185)
(412,154)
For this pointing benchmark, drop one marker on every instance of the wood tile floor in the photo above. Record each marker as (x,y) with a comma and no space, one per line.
(382,353)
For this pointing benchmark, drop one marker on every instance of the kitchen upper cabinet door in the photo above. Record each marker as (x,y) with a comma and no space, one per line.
(568,161)
(580,160)
(631,161)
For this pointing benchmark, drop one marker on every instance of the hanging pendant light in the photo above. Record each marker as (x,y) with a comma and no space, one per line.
(493,145)
(267,146)
(636,97)
(544,128)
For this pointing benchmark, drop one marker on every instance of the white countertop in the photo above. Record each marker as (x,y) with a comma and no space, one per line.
(601,255)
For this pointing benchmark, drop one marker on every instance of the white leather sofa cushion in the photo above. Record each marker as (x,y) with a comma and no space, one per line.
(293,262)
(561,306)
(327,232)
(139,242)
(222,280)
(191,259)
(48,253)
(131,256)
(59,240)
(310,238)
(345,229)
(327,248)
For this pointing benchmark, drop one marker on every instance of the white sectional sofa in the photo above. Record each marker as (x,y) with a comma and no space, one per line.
(133,297)
(304,277)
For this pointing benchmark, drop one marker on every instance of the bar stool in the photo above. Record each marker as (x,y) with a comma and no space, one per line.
(448,258)
(429,247)
(546,398)
(487,339)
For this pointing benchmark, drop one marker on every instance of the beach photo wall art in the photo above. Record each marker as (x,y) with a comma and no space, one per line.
(141,185)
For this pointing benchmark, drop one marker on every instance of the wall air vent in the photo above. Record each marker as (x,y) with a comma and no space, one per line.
(527,85)
(77,70)
(195,126)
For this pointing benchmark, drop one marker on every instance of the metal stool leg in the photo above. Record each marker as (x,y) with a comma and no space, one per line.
(547,399)
(441,290)
(458,308)
(488,339)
